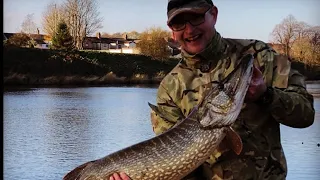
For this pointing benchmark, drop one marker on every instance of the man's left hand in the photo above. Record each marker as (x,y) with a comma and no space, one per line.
(257,86)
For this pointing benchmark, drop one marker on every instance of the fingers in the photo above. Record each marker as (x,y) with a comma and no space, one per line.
(120,176)
(115,176)
(256,71)
(124,176)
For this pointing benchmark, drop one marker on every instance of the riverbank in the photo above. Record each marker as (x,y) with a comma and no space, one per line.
(25,66)
(313,82)
(41,67)
(76,80)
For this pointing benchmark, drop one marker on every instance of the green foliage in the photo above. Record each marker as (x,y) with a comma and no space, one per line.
(94,65)
(19,40)
(62,39)
(153,43)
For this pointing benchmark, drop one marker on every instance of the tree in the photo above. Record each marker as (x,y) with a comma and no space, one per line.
(133,35)
(117,35)
(299,40)
(83,19)
(19,39)
(286,32)
(62,39)
(106,35)
(28,25)
(302,50)
(153,43)
(313,38)
(130,35)
(51,16)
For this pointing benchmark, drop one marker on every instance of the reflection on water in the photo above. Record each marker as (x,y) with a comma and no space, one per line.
(49,131)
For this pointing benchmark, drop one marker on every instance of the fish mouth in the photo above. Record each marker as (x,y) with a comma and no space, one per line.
(222,104)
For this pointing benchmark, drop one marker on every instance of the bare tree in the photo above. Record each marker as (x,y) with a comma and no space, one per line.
(28,25)
(286,33)
(314,34)
(83,19)
(51,17)
(314,38)
(298,40)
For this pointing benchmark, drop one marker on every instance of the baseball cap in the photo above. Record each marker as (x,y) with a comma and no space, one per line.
(176,7)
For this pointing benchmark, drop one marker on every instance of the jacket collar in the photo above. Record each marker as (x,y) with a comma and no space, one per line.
(209,57)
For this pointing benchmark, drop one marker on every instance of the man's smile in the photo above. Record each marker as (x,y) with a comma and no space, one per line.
(193,38)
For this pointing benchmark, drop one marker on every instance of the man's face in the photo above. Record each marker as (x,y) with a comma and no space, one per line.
(194,38)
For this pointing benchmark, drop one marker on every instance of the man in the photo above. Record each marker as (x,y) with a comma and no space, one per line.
(276,95)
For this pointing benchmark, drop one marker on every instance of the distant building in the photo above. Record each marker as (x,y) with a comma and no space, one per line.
(113,45)
(42,41)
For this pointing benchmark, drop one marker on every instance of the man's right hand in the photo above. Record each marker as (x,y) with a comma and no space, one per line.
(120,176)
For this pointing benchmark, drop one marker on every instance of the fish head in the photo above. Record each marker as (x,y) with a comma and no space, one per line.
(223,101)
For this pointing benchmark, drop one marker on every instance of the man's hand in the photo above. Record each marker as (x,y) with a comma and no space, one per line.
(122,176)
(257,86)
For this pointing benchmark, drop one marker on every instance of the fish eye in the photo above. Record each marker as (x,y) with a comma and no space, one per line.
(221,86)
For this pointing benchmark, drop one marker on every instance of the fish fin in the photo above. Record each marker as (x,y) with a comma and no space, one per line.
(75,173)
(160,113)
(154,108)
(234,141)
(157,111)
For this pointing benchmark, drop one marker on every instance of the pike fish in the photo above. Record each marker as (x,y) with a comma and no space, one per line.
(175,153)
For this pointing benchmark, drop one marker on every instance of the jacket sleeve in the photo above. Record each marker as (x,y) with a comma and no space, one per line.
(166,113)
(291,104)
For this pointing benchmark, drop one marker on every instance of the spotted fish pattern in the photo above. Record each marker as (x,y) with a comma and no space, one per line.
(177,152)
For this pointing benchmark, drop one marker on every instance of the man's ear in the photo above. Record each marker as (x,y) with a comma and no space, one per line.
(214,12)
(173,36)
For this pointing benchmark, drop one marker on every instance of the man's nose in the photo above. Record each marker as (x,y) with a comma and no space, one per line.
(189,27)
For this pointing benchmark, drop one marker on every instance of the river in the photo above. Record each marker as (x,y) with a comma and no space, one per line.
(49,131)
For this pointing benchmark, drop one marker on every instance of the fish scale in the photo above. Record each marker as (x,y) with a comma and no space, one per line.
(177,152)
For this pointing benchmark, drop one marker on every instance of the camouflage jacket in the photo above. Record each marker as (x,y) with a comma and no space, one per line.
(258,125)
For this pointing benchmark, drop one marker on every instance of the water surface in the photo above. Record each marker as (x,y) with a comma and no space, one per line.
(49,131)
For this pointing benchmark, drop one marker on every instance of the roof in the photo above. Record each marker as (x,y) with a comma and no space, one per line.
(8,35)
(108,40)
(39,38)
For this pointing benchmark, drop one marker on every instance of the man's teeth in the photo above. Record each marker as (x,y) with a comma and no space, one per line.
(193,38)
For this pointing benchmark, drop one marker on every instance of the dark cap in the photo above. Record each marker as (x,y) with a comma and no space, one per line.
(176,7)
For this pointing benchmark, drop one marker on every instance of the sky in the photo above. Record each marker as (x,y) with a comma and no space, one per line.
(252,19)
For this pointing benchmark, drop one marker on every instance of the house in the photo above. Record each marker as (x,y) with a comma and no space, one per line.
(6,36)
(114,45)
(42,41)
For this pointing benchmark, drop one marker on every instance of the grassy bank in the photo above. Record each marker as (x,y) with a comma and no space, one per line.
(34,67)
(24,66)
